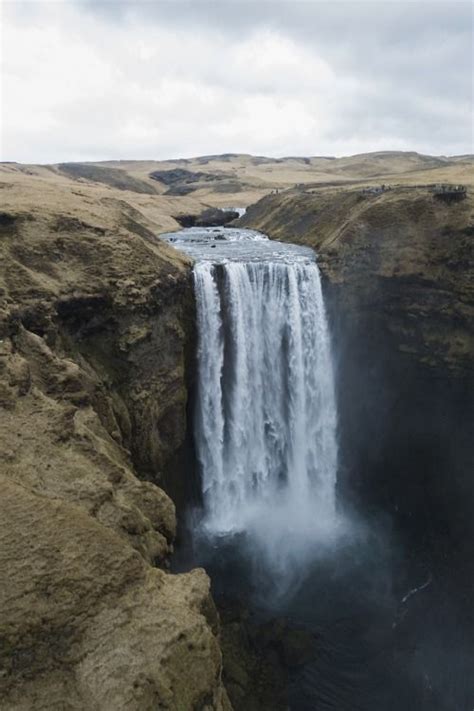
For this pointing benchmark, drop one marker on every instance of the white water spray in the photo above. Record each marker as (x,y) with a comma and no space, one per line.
(265,421)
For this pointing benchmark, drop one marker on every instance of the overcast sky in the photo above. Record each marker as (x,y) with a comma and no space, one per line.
(147,79)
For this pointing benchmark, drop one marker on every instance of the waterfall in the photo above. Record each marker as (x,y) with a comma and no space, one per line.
(265,421)
(265,409)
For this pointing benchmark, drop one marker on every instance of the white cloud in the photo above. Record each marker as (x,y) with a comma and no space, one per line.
(81,85)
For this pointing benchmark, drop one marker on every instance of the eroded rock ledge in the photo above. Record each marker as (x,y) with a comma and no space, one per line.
(96,320)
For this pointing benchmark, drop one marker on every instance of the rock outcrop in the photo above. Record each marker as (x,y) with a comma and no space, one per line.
(211,217)
(96,325)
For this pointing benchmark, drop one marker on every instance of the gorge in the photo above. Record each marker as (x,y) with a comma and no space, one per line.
(267,449)
(104,374)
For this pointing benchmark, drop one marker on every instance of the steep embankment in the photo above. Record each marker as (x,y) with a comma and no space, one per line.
(96,321)
(398,270)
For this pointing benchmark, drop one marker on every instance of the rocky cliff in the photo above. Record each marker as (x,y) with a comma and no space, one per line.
(96,325)
(398,280)
(401,254)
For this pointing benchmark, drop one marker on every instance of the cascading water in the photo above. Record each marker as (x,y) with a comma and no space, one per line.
(265,413)
(270,534)
(265,423)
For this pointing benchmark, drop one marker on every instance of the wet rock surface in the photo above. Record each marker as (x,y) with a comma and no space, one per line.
(398,283)
(399,288)
(260,657)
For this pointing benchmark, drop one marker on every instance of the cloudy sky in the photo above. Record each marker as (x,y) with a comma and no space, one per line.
(98,80)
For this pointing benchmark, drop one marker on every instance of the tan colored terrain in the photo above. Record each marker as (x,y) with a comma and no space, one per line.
(96,330)
(27,188)
(95,323)
(258,175)
(240,180)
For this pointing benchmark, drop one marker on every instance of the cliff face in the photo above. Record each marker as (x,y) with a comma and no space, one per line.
(96,325)
(399,290)
(401,255)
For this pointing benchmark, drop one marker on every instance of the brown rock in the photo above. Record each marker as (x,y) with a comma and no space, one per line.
(93,397)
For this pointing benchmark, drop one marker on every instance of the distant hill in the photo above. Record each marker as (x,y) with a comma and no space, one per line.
(238,180)
(237,172)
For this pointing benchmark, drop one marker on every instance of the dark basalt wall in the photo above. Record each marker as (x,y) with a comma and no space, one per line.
(397,271)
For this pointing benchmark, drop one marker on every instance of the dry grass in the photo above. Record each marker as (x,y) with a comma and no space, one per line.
(263,173)
(105,191)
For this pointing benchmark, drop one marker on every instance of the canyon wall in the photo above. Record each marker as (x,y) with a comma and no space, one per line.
(398,282)
(97,321)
